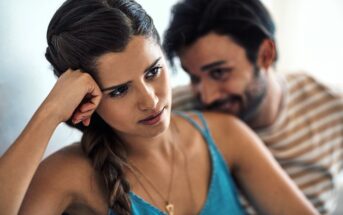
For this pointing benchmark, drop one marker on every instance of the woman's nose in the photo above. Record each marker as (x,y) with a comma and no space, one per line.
(147,98)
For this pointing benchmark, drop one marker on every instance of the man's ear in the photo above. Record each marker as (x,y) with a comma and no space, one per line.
(266,54)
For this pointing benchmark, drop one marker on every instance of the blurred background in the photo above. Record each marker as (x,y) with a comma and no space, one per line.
(309,37)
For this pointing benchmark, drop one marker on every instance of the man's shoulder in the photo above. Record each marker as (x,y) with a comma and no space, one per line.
(302,81)
(300,77)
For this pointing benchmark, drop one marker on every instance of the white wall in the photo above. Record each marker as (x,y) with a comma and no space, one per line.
(25,76)
(309,34)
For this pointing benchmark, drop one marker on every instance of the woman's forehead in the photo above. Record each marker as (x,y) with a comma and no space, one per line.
(119,67)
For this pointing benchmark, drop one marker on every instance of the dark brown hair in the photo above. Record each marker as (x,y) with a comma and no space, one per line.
(79,32)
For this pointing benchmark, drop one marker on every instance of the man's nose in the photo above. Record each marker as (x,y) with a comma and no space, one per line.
(209,92)
(147,98)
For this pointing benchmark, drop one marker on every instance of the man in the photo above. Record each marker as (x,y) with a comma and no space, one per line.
(228,49)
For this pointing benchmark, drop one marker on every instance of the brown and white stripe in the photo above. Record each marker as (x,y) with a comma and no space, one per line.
(308,141)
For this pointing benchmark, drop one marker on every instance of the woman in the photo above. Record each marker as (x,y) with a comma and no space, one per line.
(135,157)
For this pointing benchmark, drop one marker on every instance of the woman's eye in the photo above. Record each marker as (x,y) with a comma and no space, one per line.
(119,91)
(151,74)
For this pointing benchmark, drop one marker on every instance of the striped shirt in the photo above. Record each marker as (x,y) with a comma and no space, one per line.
(306,138)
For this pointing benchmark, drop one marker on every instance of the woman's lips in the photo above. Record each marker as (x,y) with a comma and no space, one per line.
(153,119)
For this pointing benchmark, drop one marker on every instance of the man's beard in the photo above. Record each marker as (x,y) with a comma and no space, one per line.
(249,103)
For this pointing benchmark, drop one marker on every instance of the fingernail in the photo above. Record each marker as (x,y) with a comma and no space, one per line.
(77,121)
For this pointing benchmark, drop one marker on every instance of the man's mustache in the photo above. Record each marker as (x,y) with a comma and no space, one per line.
(220,102)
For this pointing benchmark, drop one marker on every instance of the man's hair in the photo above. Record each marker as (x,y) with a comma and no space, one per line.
(247,22)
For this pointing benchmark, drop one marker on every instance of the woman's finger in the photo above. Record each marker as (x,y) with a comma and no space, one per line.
(79,116)
(86,121)
(87,107)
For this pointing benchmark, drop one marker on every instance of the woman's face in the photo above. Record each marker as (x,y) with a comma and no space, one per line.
(136,92)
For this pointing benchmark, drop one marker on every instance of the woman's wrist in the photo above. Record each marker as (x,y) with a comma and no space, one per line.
(49,113)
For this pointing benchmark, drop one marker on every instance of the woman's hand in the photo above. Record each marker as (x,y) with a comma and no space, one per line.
(75,95)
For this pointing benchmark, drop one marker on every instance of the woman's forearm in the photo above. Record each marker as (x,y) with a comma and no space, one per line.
(20,161)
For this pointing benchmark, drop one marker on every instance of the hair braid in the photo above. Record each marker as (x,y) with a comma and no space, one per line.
(108,157)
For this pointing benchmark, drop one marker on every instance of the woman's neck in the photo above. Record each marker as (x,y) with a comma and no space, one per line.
(139,147)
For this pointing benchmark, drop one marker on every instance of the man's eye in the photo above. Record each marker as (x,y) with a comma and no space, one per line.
(119,91)
(151,74)
(219,74)
(194,79)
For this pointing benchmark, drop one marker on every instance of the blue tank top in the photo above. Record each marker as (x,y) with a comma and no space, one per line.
(222,198)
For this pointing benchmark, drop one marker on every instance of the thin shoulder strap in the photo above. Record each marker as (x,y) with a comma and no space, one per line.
(203,127)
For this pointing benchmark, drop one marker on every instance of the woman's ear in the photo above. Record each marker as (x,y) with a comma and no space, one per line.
(266,54)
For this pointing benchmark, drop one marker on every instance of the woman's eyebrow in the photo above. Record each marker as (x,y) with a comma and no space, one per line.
(152,65)
(145,71)
(115,86)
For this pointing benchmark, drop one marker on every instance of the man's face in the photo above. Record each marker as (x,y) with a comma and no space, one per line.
(223,77)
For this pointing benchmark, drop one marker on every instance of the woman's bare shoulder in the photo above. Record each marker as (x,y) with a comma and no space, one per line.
(229,134)
(219,124)
(67,178)
(71,170)
(219,119)
(226,125)
(67,160)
